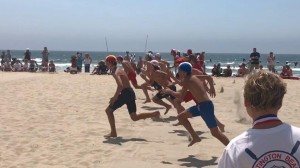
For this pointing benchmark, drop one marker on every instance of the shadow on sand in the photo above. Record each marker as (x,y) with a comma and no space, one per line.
(191,161)
(152,108)
(170,118)
(121,140)
(185,133)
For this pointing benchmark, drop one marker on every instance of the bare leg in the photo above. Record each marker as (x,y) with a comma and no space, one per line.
(136,117)
(111,119)
(220,125)
(144,88)
(162,103)
(219,135)
(179,108)
(183,119)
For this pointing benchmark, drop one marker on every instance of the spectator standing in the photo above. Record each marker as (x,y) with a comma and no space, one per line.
(79,60)
(271,62)
(127,56)
(45,56)
(254,59)
(201,59)
(27,54)
(8,55)
(2,57)
(87,62)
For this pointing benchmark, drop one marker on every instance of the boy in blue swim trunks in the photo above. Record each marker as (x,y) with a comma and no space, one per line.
(204,106)
(123,95)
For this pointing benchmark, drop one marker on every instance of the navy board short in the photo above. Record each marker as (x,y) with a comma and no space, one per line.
(127,97)
(206,111)
(161,95)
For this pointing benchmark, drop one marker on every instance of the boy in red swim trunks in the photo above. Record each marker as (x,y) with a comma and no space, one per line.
(123,95)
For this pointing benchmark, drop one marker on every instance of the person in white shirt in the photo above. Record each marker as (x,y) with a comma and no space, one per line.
(87,62)
(17,66)
(270,143)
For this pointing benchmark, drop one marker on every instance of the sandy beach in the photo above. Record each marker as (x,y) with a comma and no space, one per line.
(58,121)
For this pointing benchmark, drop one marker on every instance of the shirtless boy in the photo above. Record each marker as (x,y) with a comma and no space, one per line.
(204,107)
(123,95)
(189,97)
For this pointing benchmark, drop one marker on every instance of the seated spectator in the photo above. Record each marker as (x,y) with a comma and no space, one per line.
(67,69)
(73,68)
(52,66)
(261,67)
(286,71)
(242,71)
(96,70)
(44,67)
(33,66)
(217,70)
(14,60)
(227,72)
(7,67)
(101,68)
(17,66)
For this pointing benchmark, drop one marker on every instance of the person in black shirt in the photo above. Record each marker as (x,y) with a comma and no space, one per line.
(254,59)
(27,54)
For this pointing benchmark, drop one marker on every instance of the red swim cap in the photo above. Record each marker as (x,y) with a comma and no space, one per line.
(110,58)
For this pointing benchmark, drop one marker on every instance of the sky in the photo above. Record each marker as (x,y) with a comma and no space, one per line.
(213,26)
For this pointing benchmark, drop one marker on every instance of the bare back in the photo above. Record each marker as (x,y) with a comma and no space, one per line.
(161,78)
(127,66)
(163,65)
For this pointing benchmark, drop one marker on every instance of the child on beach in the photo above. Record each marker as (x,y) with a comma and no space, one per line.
(204,107)
(123,95)
(52,66)
(270,142)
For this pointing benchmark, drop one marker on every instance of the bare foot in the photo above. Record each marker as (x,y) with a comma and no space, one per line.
(167,109)
(193,141)
(157,117)
(177,124)
(221,127)
(110,135)
(147,101)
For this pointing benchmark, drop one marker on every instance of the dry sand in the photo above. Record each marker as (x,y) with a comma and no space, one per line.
(58,120)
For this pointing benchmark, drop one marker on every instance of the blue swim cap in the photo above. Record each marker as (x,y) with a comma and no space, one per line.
(186,67)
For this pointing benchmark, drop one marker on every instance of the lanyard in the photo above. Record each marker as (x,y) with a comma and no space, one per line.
(265,119)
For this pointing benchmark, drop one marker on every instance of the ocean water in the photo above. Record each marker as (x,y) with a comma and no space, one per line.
(62,59)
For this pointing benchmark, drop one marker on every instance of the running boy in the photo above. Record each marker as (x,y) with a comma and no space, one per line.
(204,106)
(123,95)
